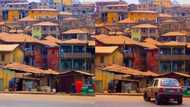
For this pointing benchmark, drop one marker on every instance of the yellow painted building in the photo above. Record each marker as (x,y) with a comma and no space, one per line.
(13,15)
(43,13)
(65,2)
(102,80)
(108,55)
(5,77)
(10,53)
(112,17)
(105,56)
(163,3)
(143,16)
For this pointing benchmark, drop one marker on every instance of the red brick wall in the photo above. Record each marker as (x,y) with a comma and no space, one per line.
(53,58)
(152,60)
(38,62)
(139,59)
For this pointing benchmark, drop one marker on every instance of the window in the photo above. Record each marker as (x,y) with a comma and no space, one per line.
(44,29)
(2,57)
(143,30)
(178,51)
(83,11)
(152,30)
(79,49)
(66,49)
(53,28)
(127,50)
(79,64)
(178,66)
(128,62)
(102,59)
(66,64)
(170,83)
(155,83)
(165,51)
(165,66)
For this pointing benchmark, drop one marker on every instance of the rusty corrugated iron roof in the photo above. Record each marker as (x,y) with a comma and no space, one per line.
(129,71)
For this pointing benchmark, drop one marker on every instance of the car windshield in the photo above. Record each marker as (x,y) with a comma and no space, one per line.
(169,83)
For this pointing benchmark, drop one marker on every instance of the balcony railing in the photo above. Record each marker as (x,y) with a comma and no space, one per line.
(128,55)
(174,57)
(76,55)
(29,53)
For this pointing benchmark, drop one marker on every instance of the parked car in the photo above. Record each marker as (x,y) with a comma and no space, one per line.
(164,90)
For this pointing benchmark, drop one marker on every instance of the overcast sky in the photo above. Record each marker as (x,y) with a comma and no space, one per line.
(133,1)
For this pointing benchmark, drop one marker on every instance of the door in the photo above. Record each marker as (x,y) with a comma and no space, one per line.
(99,86)
(1,85)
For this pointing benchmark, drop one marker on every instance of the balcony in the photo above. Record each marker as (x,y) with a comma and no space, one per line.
(76,55)
(128,55)
(174,58)
(29,53)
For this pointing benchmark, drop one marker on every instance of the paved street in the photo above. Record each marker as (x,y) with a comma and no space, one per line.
(131,101)
(15,100)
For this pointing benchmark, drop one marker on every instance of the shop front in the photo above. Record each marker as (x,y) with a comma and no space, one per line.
(75,82)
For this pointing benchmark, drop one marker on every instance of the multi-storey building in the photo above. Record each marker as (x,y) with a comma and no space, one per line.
(79,34)
(77,55)
(50,53)
(4,2)
(27,43)
(151,51)
(160,3)
(101,4)
(173,57)
(64,25)
(132,51)
(170,56)
(10,53)
(178,11)
(26,23)
(48,14)
(79,10)
(147,7)
(85,13)
(145,1)
(114,13)
(176,36)
(60,5)
(69,23)
(35,53)
(108,55)
(15,11)
(46,29)
(143,16)
(40,5)
(170,25)
(142,31)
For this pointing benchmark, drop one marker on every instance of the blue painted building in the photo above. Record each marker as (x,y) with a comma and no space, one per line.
(77,55)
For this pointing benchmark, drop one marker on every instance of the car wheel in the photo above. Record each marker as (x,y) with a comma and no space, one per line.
(179,100)
(146,98)
(157,100)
